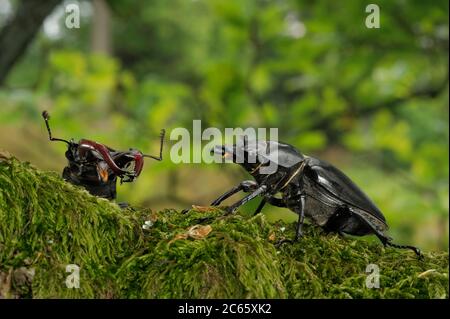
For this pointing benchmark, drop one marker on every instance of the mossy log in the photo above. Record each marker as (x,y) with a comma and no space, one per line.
(47,224)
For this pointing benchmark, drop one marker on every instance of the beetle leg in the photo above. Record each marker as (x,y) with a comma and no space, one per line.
(387,242)
(259,191)
(124,205)
(278,202)
(301,218)
(283,241)
(300,221)
(245,186)
(231,192)
(260,206)
(272,200)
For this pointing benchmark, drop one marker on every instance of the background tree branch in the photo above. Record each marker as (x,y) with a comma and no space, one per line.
(19,32)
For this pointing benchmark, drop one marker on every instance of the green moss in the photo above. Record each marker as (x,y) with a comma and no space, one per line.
(46,224)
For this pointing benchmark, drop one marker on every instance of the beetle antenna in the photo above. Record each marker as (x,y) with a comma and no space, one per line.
(46,117)
(161,136)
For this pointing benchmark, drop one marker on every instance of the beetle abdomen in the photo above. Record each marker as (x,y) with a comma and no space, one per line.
(340,218)
(318,212)
(345,221)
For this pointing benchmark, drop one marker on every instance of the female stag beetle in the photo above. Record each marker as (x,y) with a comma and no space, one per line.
(308,186)
(96,166)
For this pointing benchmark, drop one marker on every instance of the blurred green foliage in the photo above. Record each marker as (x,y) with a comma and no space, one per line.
(372,101)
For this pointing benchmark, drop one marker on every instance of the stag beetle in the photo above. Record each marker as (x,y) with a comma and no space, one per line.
(96,166)
(308,186)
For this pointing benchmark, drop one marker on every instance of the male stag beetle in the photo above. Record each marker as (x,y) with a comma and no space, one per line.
(308,186)
(96,166)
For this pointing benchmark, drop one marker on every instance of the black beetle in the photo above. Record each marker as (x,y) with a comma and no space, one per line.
(96,166)
(308,186)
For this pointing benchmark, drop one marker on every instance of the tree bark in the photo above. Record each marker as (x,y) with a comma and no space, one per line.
(101,28)
(19,32)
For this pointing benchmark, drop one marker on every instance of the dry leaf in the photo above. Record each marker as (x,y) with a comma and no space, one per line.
(272,237)
(179,236)
(199,231)
(154,217)
(5,155)
(195,232)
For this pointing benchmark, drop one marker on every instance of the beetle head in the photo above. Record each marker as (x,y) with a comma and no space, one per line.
(126,165)
(260,157)
(108,162)
(246,154)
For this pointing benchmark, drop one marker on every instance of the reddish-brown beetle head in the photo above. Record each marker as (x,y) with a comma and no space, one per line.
(126,165)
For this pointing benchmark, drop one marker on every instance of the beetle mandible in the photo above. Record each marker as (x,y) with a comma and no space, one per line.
(308,186)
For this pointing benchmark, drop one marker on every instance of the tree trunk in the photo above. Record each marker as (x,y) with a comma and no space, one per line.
(18,33)
(101,28)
